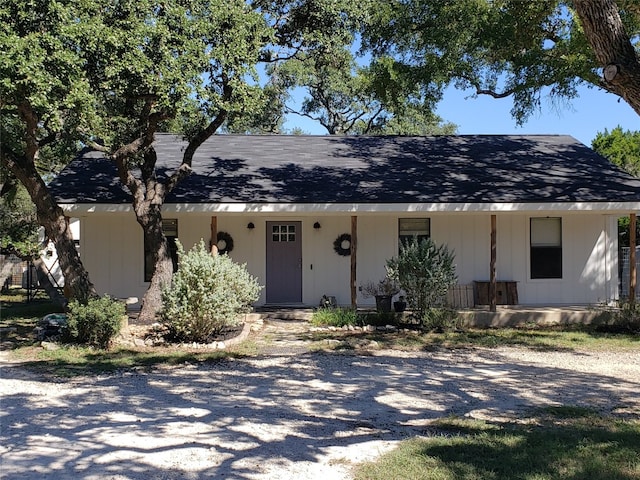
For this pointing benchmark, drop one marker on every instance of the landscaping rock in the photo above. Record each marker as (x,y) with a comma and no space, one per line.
(50,346)
(50,326)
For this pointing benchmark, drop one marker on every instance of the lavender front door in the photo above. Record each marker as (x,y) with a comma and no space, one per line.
(284,262)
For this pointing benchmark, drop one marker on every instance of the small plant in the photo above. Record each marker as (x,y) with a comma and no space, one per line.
(425,272)
(378,319)
(334,317)
(207,295)
(440,319)
(387,287)
(95,323)
(624,319)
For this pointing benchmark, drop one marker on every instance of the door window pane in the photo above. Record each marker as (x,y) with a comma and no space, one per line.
(283,233)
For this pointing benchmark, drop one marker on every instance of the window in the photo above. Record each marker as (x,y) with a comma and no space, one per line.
(546,247)
(283,233)
(170,230)
(413,227)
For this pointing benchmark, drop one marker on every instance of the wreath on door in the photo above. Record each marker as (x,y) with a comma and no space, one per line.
(342,245)
(224,242)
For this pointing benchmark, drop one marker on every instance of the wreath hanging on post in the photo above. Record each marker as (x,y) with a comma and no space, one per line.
(342,245)
(224,242)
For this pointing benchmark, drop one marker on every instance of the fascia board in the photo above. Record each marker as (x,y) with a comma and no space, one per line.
(373,208)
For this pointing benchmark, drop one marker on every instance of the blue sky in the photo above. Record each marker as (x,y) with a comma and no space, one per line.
(590,113)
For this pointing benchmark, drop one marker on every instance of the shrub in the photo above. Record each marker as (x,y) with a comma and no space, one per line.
(334,317)
(425,272)
(624,319)
(95,323)
(628,318)
(440,319)
(207,295)
(378,319)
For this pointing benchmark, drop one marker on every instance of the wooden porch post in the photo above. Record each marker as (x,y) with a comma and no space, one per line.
(632,259)
(492,268)
(354,258)
(214,235)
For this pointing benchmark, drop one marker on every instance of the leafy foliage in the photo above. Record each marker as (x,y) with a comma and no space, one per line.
(440,319)
(346,98)
(95,323)
(621,147)
(46,108)
(207,295)
(388,286)
(625,318)
(506,49)
(425,272)
(18,224)
(336,317)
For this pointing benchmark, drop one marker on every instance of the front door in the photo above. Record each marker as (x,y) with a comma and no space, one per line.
(284,262)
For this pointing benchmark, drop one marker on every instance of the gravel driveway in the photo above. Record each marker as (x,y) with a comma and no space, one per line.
(284,415)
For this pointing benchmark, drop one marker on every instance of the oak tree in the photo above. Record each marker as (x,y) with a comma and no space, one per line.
(44,103)
(514,49)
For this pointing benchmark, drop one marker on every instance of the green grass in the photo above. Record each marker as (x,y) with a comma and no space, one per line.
(71,361)
(568,444)
(21,318)
(18,318)
(541,340)
(335,317)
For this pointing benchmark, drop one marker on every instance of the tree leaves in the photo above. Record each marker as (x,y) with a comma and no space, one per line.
(506,48)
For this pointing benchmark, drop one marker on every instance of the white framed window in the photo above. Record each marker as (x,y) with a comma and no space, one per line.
(413,227)
(283,233)
(545,247)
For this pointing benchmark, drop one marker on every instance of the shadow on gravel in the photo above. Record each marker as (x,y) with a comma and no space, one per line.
(268,416)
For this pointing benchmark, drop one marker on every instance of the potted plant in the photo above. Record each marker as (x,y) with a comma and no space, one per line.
(400,305)
(383,291)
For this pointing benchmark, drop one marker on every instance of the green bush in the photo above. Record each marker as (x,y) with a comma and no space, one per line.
(207,295)
(334,317)
(95,323)
(624,319)
(628,318)
(425,272)
(440,319)
(378,319)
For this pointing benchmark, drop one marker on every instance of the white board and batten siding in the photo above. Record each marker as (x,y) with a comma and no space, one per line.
(112,250)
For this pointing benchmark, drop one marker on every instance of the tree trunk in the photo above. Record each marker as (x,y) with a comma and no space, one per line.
(613,49)
(155,242)
(56,226)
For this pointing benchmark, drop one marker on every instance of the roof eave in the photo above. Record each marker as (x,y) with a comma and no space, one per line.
(610,207)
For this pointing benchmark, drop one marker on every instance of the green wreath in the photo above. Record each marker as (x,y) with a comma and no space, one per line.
(227,243)
(338,245)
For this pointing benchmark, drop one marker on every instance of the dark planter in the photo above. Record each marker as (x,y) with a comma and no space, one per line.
(383,303)
(399,306)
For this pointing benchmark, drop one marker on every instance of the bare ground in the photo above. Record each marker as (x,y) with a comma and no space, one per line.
(283,414)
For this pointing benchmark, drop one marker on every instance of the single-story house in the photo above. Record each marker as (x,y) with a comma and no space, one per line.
(547,207)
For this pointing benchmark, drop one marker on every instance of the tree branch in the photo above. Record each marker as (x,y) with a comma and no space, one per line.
(612,47)
(31,123)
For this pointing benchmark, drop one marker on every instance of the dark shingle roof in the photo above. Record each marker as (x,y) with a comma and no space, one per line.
(387,169)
